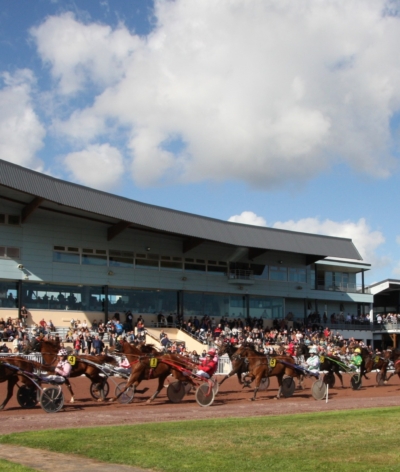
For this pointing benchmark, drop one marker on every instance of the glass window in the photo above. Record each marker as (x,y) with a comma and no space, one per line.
(263,275)
(13,219)
(166,265)
(12,252)
(120,258)
(195,267)
(62,297)
(266,307)
(278,273)
(200,304)
(66,257)
(94,260)
(8,295)
(2,251)
(216,270)
(2,218)
(142,301)
(145,264)
(297,274)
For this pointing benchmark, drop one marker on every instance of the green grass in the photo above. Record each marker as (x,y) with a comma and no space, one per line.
(334,441)
(7,466)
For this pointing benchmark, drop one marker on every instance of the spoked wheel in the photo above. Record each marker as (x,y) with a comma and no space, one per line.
(288,387)
(380,379)
(97,388)
(27,396)
(264,384)
(318,389)
(205,395)
(127,396)
(176,391)
(52,399)
(329,379)
(356,382)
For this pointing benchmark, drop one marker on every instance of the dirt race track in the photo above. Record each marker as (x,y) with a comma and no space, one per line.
(231,401)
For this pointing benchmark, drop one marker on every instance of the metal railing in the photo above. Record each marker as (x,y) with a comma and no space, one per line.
(239,274)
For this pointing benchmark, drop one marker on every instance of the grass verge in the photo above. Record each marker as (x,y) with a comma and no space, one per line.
(366,440)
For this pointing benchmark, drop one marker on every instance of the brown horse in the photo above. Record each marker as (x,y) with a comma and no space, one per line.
(239,365)
(81,365)
(260,366)
(152,366)
(12,376)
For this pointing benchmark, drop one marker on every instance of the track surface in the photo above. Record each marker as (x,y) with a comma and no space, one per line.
(231,401)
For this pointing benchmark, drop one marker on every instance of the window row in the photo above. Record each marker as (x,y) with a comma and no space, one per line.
(92,298)
(9,219)
(7,252)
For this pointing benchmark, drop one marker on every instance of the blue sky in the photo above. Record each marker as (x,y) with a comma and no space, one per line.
(278,113)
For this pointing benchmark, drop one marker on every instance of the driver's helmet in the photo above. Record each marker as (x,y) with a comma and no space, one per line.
(357,350)
(62,352)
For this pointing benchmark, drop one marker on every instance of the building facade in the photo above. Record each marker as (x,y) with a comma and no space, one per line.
(68,251)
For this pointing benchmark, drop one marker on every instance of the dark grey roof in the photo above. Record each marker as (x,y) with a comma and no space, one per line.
(180,223)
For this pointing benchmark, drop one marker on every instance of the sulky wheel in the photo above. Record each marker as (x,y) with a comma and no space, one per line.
(318,389)
(27,396)
(215,386)
(99,391)
(329,379)
(264,384)
(288,387)
(380,379)
(52,399)
(176,391)
(127,396)
(205,395)
(356,382)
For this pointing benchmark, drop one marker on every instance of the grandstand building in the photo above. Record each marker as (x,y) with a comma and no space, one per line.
(68,251)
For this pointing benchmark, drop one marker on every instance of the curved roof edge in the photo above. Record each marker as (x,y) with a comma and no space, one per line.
(171,221)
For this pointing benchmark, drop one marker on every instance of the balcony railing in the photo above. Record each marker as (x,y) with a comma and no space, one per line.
(348,288)
(241,276)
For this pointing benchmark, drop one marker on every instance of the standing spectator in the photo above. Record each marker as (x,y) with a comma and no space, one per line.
(77,345)
(98,345)
(24,316)
(129,320)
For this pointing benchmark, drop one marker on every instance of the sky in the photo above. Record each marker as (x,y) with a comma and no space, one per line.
(268,112)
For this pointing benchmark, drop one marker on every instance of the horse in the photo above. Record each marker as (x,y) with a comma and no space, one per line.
(378,362)
(81,365)
(154,365)
(261,366)
(239,366)
(12,376)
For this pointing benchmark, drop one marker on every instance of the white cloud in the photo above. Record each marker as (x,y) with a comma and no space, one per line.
(21,133)
(248,218)
(263,92)
(81,54)
(366,240)
(99,166)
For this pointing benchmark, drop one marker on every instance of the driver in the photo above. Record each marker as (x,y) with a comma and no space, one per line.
(313,362)
(209,365)
(356,359)
(63,367)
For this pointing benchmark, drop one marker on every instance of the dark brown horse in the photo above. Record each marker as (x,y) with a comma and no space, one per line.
(261,366)
(81,365)
(152,366)
(12,377)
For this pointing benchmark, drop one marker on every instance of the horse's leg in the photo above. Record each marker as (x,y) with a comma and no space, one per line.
(279,377)
(132,382)
(161,381)
(69,387)
(258,381)
(11,382)
(300,380)
(225,378)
